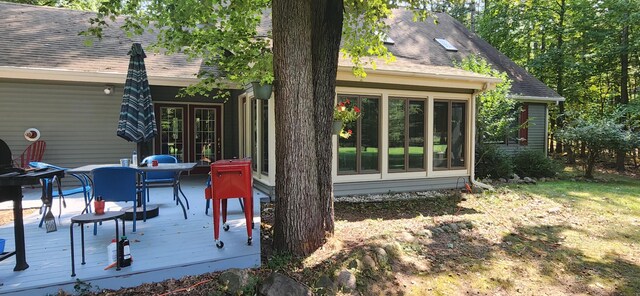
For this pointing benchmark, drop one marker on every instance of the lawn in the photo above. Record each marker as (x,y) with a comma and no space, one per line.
(567,237)
(555,238)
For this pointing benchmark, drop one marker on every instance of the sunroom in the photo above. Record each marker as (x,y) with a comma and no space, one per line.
(416,131)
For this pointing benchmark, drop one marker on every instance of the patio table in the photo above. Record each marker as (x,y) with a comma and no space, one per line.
(177,168)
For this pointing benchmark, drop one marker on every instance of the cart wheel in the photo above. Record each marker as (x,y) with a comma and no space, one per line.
(225,227)
(219,244)
(249,241)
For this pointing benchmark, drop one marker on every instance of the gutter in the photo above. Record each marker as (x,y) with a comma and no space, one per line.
(399,73)
(89,77)
(537,99)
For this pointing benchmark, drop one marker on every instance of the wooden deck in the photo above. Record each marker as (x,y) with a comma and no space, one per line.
(164,247)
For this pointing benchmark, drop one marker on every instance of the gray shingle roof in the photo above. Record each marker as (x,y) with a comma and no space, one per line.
(47,38)
(415,41)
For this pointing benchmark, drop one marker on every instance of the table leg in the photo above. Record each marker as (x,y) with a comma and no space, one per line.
(73,262)
(82,244)
(118,252)
(18,231)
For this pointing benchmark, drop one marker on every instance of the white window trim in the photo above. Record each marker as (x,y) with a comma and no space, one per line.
(429,172)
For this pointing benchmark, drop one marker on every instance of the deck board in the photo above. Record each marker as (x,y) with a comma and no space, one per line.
(167,246)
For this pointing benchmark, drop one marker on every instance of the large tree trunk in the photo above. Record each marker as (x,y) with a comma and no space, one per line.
(560,69)
(327,32)
(297,186)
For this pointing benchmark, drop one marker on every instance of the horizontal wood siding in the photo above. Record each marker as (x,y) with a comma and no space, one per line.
(78,122)
(536,132)
(537,118)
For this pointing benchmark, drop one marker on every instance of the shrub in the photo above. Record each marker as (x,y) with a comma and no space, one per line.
(598,135)
(492,162)
(533,163)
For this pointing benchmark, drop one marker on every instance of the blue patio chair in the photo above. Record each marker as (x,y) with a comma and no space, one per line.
(48,183)
(166,179)
(119,184)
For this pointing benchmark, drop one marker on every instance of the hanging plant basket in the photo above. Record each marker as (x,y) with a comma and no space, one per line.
(262,91)
(337,127)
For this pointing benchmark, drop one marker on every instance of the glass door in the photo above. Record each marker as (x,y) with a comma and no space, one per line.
(171,139)
(205,132)
(191,133)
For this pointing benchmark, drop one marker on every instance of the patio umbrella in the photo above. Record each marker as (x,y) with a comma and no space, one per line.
(137,120)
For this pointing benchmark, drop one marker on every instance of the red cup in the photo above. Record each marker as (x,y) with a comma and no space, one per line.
(99,207)
(154,163)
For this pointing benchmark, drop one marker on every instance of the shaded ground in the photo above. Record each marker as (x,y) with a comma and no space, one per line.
(568,237)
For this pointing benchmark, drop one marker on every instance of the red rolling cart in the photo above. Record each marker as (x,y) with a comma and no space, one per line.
(231,178)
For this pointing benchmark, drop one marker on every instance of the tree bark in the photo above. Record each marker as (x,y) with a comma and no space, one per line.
(560,69)
(296,147)
(327,32)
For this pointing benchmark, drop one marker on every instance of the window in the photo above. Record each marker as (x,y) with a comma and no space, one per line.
(172,140)
(516,132)
(260,135)
(254,135)
(449,134)
(446,44)
(359,154)
(406,134)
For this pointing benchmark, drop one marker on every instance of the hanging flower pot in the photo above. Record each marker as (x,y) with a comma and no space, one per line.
(261,91)
(337,127)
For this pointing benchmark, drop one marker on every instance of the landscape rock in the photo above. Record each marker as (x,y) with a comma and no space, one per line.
(446,228)
(469,225)
(407,237)
(529,180)
(326,286)
(394,249)
(454,227)
(503,180)
(426,233)
(235,279)
(280,285)
(462,225)
(355,264)
(346,280)
(382,256)
(516,177)
(368,263)
(543,179)
(554,210)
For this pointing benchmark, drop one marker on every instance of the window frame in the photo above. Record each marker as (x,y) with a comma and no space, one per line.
(450,103)
(407,101)
(358,146)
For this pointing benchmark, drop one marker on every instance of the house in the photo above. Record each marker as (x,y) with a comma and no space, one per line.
(416,132)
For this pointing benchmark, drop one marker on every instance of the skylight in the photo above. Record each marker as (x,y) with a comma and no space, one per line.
(448,46)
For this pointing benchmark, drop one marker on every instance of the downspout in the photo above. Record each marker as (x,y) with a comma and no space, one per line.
(475,107)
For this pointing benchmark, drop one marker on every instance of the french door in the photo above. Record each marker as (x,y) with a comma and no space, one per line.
(190,132)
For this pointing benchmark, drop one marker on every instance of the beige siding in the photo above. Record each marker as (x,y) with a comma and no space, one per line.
(78,122)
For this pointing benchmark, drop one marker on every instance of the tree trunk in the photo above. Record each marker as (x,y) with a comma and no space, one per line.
(327,32)
(560,67)
(296,147)
(624,84)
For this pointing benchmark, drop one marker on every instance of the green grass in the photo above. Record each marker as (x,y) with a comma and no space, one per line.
(563,237)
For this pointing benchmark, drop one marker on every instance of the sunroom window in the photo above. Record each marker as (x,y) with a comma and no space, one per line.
(359,154)
(449,135)
(406,134)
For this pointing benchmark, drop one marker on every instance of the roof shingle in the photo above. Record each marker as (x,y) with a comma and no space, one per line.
(47,38)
